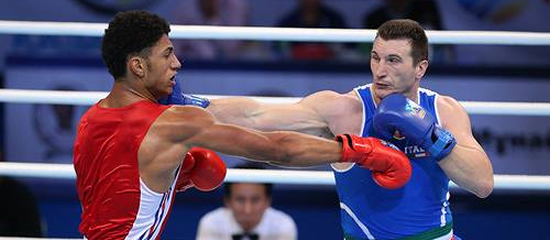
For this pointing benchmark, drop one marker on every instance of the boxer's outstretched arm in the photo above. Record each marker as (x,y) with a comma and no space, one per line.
(181,128)
(310,115)
(391,168)
(467,165)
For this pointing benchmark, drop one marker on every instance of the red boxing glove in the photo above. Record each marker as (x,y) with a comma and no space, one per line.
(390,167)
(202,169)
(183,183)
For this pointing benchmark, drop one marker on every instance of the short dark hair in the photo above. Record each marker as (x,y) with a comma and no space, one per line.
(409,30)
(248,165)
(130,33)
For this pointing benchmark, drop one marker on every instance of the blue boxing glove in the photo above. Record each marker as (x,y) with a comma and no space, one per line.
(177,97)
(397,113)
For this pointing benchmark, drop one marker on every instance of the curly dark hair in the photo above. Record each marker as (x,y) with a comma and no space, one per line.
(130,33)
(409,30)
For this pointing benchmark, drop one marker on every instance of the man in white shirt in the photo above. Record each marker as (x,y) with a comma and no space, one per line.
(247,215)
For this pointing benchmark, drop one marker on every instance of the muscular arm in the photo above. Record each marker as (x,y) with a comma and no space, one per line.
(467,165)
(196,127)
(311,115)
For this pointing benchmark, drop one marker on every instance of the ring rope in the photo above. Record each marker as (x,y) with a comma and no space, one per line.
(66,171)
(278,34)
(91,97)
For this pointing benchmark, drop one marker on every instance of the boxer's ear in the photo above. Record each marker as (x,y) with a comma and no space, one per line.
(137,66)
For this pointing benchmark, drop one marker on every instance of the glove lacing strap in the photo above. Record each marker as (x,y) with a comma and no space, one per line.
(443,143)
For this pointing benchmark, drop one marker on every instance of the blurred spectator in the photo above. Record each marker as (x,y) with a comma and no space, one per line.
(211,12)
(311,14)
(247,215)
(19,215)
(424,12)
(55,126)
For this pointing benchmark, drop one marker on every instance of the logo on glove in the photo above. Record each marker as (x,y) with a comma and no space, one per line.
(398,136)
(414,109)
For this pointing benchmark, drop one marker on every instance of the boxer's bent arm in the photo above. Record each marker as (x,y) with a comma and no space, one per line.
(467,165)
(308,115)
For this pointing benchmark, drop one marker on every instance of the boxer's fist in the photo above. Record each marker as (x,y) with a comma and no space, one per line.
(397,113)
(390,167)
(202,169)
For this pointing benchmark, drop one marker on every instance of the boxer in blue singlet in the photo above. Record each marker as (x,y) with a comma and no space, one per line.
(379,213)
(432,130)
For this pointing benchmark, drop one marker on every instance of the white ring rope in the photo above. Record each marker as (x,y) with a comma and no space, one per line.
(279,34)
(89,98)
(66,171)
